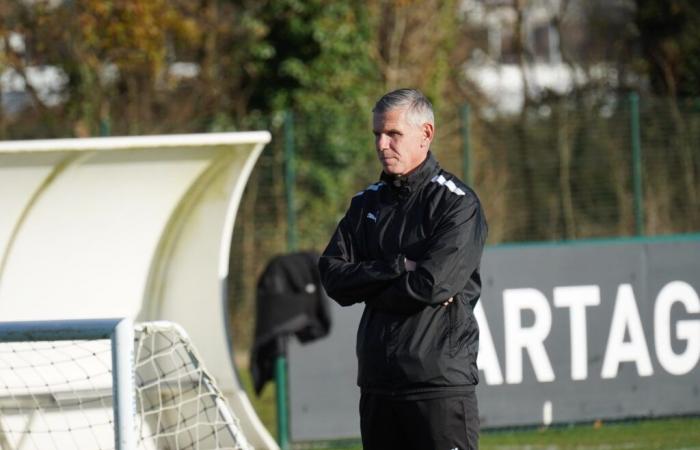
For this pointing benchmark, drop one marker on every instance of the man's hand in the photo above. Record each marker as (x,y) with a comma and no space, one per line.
(410,265)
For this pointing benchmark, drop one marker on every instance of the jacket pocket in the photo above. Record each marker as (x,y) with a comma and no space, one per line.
(463,329)
(452,327)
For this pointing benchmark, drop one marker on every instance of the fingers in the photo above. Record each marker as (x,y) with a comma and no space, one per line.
(410,265)
(448,302)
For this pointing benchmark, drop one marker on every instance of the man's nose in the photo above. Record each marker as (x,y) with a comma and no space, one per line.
(382,142)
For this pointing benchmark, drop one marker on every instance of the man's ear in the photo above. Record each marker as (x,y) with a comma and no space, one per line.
(428,134)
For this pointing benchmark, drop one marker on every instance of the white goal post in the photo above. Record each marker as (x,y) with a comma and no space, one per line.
(108,384)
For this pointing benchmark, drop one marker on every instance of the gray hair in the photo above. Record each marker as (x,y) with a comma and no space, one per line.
(419,110)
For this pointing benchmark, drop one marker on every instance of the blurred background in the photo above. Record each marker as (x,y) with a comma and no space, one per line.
(572,119)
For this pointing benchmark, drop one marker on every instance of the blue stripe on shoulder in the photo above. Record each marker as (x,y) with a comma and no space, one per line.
(371,187)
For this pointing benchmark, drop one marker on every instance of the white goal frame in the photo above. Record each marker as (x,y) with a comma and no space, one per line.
(120,332)
(160,392)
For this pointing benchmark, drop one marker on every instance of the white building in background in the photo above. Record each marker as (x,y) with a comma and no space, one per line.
(495,65)
(49,82)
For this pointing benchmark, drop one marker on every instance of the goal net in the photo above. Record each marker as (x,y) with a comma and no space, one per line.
(64,386)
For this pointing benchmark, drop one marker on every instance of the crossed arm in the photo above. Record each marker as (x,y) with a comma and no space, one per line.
(411,266)
(401,284)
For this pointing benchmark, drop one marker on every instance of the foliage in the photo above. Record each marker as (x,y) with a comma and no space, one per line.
(319,70)
(328,62)
(130,67)
(559,169)
(669,32)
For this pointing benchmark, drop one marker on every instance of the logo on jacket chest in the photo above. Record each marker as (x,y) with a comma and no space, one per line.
(372,216)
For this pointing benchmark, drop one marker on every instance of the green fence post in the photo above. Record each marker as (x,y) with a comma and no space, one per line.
(289,179)
(105,127)
(281,395)
(466,149)
(281,361)
(636,143)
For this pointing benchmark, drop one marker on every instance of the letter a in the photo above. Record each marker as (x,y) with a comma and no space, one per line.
(528,339)
(626,317)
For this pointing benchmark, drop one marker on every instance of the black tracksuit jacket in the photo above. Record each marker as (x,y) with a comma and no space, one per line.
(408,344)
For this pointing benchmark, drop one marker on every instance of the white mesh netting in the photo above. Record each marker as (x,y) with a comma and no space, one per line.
(58,395)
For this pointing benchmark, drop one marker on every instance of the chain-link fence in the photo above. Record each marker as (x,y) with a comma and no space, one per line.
(569,168)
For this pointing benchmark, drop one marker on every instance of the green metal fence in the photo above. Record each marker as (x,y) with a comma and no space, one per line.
(584,166)
(569,168)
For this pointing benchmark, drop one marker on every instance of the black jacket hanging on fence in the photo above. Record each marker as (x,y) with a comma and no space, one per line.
(290,300)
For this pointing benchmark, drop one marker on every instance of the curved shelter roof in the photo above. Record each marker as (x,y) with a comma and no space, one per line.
(134,227)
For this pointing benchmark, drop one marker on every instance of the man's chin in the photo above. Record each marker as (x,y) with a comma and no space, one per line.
(392,171)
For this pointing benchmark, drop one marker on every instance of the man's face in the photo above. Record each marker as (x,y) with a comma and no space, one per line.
(401,146)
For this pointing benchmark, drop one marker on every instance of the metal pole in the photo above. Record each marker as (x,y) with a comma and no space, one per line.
(121,334)
(123,385)
(289,179)
(466,149)
(105,127)
(281,394)
(635,137)
(281,361)
(105,122)
(57,330)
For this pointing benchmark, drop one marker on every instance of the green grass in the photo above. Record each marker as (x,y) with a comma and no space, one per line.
(659,434)
(265,404)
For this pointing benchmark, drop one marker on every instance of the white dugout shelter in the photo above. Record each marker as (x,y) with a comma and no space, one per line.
(136,227)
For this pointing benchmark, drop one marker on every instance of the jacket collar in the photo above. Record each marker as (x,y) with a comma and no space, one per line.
(414,180)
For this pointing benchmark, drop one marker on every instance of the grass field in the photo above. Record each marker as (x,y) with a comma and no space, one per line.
(660,434)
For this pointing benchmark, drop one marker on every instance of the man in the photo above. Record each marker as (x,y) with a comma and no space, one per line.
(409,247)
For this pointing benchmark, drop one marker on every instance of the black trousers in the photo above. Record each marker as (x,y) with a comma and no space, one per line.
(450,423)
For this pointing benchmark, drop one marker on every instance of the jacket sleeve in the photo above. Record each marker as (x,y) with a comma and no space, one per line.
(348,280)
(453,254)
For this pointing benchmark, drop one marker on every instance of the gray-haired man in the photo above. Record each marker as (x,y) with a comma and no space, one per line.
(409,247)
